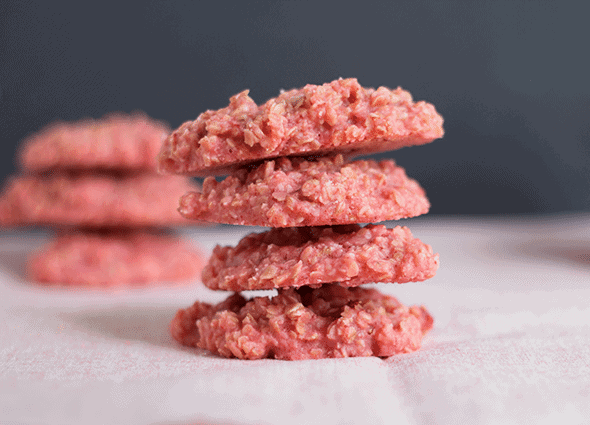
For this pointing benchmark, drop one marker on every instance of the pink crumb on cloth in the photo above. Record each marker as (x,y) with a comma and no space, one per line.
(290,192)
(116,257)
(293,257)
(340,116)
(96,200)
(304,323)
(117,141)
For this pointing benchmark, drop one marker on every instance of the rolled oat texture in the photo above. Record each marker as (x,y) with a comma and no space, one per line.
(344,255)
(337,117)
(293,192)
(304,323)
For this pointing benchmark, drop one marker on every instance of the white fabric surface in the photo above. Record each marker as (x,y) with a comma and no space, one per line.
(510,343)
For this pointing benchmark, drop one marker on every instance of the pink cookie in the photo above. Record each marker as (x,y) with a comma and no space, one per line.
(293,257)
(117,141)
(340,116)
(115,258)
(304,323)
(94,200)
(290,192)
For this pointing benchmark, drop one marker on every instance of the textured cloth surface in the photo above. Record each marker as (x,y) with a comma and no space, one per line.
(510,343)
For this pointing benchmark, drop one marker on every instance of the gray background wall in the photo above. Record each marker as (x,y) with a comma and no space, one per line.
(511,78)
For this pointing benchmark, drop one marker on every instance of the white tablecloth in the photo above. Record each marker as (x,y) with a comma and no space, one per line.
(510,343)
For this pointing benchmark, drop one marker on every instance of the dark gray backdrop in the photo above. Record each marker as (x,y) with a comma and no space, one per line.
(511,78)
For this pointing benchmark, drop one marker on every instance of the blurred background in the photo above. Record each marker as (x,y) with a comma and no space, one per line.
(510,78)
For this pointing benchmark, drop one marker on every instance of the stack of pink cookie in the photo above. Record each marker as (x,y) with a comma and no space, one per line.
(95,182)
(290,167)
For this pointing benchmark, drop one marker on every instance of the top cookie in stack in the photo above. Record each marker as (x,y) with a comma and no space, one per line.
(338,117)
(290,165)
(95,181)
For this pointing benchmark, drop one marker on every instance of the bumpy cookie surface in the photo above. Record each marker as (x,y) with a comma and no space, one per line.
(115,258)
(340,116)
(293,257)
(93,200)
(304,323)
(117,141)
(290,192)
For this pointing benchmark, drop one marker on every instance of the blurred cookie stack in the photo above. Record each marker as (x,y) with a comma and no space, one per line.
(289,167)
(95,183)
